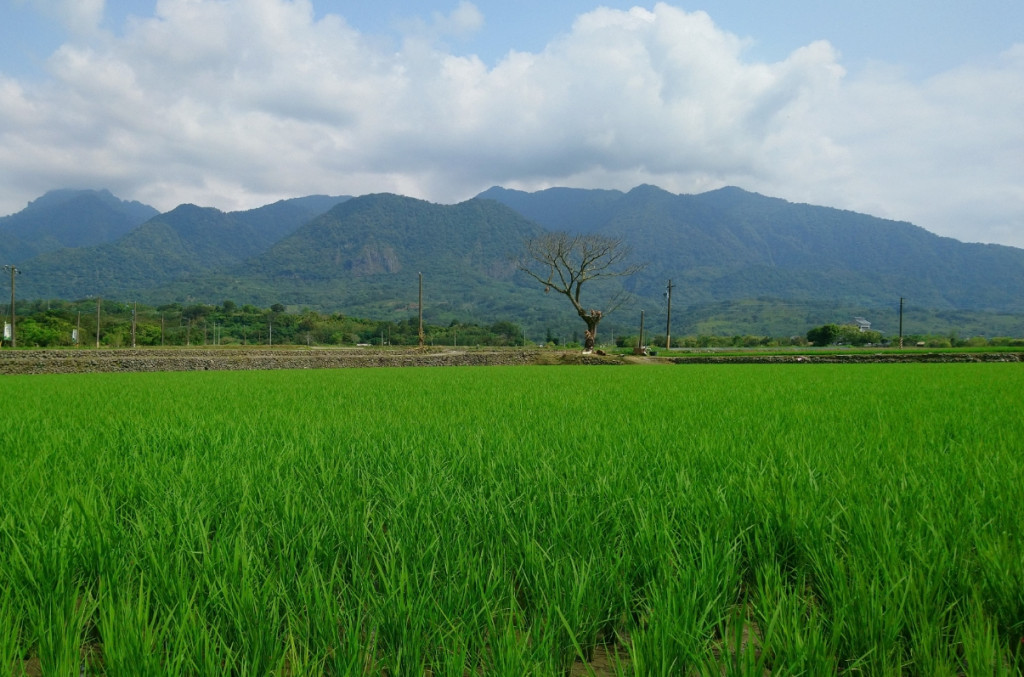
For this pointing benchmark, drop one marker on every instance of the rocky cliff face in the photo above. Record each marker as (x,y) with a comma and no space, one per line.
(375,259)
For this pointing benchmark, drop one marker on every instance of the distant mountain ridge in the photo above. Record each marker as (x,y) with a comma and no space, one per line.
(733,244)
(364,256)
(739,261)
(69,218)
(181,244)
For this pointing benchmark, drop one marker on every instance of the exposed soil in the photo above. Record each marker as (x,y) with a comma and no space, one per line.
(233,359)
(237,358)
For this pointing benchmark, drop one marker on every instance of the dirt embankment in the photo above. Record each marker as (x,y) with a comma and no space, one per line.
(231,359)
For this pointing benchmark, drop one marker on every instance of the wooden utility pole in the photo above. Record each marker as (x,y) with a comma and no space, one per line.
(639,349)
(641,330)
(901,323)
(668,321)
(421,310)
(14,325)
(135,312)
(98,321)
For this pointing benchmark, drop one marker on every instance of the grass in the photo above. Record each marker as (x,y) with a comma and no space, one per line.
(862,519)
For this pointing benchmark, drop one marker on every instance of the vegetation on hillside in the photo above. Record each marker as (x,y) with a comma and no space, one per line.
(741,263)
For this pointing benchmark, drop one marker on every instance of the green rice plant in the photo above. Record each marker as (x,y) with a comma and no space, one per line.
(982,648)
(11,642)
(790,627)
(686,609)
(134,641)
(57,606)
(795,519)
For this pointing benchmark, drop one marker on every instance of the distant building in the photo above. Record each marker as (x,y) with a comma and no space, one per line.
(862,324)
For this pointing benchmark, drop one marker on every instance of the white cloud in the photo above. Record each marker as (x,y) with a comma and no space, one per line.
(463,21)
(77,16)
(238,102)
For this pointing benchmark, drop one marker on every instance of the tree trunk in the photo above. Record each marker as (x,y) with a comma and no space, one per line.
(590,335)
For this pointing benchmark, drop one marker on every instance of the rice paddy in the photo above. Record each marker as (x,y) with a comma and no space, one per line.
(656,520)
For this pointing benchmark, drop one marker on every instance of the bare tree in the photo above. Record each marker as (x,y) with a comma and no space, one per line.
(564,262)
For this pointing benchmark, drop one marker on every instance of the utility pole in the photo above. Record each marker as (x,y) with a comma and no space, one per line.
(641,330)
(135,312)
(668,321)
(900,323)
(14,325)
(639,349)
(97,321)
(421,310)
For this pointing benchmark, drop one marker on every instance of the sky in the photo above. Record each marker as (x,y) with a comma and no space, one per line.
(904,109)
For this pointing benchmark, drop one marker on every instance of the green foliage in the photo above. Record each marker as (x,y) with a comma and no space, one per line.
(49,324)
(627,341)
(68,218)
(182,244)
(449,521)
(743,264)
(46,331)
(1007,341)
(824,335)
(851,335)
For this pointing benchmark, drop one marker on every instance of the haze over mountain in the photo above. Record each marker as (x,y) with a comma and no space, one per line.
(178,245)
(68,218)
(740,262)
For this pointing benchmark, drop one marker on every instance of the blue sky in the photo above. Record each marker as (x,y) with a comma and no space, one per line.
(907,110)
(921,37)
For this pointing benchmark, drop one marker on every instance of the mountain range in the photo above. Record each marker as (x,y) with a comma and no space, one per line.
(68,218)
(740,262)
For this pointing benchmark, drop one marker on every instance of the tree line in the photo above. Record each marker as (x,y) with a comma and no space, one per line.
(54,324)
(46,324)
(852,335)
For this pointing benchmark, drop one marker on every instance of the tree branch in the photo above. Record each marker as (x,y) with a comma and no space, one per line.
(573,260)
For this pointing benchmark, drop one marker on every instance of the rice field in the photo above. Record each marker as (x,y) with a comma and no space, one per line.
(654,520)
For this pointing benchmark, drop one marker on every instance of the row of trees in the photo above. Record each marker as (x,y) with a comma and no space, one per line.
(851,335)
(54,323)
(846,334)
(57,323)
